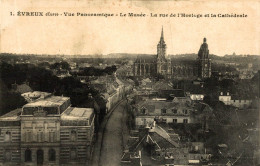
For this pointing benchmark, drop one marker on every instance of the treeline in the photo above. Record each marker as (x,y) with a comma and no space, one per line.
(92,71)
(40,79)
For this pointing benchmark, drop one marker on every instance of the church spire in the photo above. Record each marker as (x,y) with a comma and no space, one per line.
(162,38)
(161,47)
(204,40)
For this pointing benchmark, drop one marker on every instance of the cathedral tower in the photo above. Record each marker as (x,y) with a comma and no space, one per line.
(163,63)
(161,48)
(204,63)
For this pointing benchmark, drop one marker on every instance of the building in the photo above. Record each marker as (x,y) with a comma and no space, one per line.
(176,111)
(236,101)
(47,131)
(154,65)
(161,65)
(204,63)
(153,145)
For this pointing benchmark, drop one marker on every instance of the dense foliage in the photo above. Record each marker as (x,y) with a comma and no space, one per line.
(41,79)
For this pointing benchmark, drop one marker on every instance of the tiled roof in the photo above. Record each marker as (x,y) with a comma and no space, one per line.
(146,58)
(152,104)
(160,141)
(158,136)
(162,85)
(172,93)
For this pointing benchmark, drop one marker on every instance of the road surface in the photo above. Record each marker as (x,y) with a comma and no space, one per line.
(109,146)
(112,145)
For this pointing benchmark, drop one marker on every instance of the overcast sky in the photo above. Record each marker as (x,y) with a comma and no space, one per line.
(100,35)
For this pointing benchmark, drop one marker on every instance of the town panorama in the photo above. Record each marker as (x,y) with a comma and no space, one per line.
(130,109)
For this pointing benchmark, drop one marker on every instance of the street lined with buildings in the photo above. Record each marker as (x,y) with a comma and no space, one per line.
(112,145)
(142,110)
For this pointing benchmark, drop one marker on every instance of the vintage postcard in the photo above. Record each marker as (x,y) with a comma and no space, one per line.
(129,82)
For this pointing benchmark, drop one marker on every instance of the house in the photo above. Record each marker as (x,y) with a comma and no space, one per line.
(47,131)
(236,101)
(176,111)
(196,94)
(112,89)
(153,145)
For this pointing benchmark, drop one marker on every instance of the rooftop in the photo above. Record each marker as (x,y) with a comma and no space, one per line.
(48,102)
(12,115)
(36,95)
(73,113)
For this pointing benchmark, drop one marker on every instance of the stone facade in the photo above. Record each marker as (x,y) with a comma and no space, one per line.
(47,132)
(239,102)
(204,63)
(164,111)
(147,66)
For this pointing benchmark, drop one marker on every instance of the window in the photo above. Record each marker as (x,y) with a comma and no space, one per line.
(52,136)
(7,136)
(73,135)
(40,136)
(163,111)
(51,110)
(52,155)
(174,120)
(8,155)
(73,154)
(185,120)
(27,155)
(143,110)
(185,111)
(174,111)
(28,136)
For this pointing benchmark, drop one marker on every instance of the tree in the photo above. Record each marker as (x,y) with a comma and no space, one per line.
(9,100)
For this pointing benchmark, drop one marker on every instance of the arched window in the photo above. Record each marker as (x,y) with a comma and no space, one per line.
(52,155)
(8,155)
(8,136)
(73,154)
(73,135)
(28,155)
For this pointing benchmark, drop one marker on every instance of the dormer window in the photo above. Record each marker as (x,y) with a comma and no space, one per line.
(163,111)
(174,111)
(143,110)
(7,137)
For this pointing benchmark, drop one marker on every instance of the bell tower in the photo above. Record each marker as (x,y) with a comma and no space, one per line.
(204,63)
(161,48)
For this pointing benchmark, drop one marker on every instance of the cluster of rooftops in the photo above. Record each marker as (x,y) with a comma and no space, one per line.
(49,106)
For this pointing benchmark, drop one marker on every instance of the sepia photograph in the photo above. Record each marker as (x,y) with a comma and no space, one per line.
(129,83)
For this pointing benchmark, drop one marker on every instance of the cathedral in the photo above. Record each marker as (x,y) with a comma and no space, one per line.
(161,64)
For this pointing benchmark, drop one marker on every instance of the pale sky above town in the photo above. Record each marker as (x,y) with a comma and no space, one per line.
(100,35)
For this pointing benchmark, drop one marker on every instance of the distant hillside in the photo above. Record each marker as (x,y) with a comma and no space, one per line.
(188,56)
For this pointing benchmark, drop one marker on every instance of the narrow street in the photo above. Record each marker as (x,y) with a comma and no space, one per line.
(111,143)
